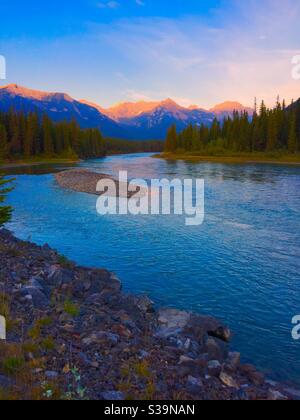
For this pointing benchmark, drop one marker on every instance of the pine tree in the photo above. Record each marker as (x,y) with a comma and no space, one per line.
(292,140)
(3,142)
(5,211)
(171,142)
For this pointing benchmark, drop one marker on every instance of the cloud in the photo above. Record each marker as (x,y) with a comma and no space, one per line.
(140,2)
(109,5)
(240,52)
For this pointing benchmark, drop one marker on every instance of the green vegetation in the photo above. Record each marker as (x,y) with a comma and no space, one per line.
(28,137)
(270,135)
(5,211)
(115,146)
(71,309)
(25,136)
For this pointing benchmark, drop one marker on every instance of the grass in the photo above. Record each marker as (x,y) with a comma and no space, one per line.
(232,157)
(39,160)
(64,262)
(71,309)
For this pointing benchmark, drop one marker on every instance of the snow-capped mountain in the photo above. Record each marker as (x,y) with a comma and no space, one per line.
(133,121)
(59,107)
(156,122)
(226,109)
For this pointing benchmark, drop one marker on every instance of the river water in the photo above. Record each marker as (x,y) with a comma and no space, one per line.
(241,265)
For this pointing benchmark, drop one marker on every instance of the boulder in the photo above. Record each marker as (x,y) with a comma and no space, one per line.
(38,298)
(59,276)
(172,318)
(112,396)
(228,380)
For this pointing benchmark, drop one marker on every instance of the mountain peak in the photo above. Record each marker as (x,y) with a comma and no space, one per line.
(17,90)
(229,106)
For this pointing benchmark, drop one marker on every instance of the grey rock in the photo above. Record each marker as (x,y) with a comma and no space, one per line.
(59,276)
(194,385)
(5,382)
(228,380)
(172,318)
(214,364)
(274,395)
(234,360)
(112,396)
(39,299)
(144,304)
(51,374)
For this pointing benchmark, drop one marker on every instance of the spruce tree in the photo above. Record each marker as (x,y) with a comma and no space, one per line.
(292,140)
(5,211)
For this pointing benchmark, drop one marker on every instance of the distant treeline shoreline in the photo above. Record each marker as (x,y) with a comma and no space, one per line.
(29,136)
(271,131)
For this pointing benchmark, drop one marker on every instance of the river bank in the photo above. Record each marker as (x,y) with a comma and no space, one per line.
(73,334)
(234,159)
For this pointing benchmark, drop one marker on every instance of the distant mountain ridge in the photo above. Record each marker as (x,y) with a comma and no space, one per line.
(136,121)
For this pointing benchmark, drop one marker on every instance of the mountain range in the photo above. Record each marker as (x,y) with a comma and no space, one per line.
(135,121)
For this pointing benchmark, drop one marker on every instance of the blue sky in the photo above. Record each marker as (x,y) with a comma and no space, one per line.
(197,52)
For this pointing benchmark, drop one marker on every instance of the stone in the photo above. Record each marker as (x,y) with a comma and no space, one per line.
(252,374)
(144,304)
(294,393)
(59,276)
(5,382)
(39,299)
(234,360)
(172,318)
(112,396)
(206,325)
(274,395)
(214,349)
(194,385)
(101,337)
(51,374)
(214,364)
(228,380)
(186,360)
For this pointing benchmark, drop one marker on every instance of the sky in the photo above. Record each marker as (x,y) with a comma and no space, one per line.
(200,52)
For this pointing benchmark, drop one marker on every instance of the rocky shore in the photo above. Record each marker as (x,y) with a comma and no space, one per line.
(73,334)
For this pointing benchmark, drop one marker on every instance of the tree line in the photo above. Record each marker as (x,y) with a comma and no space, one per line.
(30,135)
(268,130)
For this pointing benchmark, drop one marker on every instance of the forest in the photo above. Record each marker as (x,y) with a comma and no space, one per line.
(31,136)
(274,130)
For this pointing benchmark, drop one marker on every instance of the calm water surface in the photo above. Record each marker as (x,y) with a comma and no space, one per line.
(242,265)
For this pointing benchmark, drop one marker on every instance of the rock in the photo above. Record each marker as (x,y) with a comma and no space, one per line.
(205,325)
(252,374)
(194,385)
(101,337)
(214,367)
(294,393)
(173,319)
(186,360)
(234,360)
(59,276)
(51,374)
(144,304)
(214,349)
(167,333)
(5,382)
(274,395)
(39,299)
(112,396)
(228,380)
